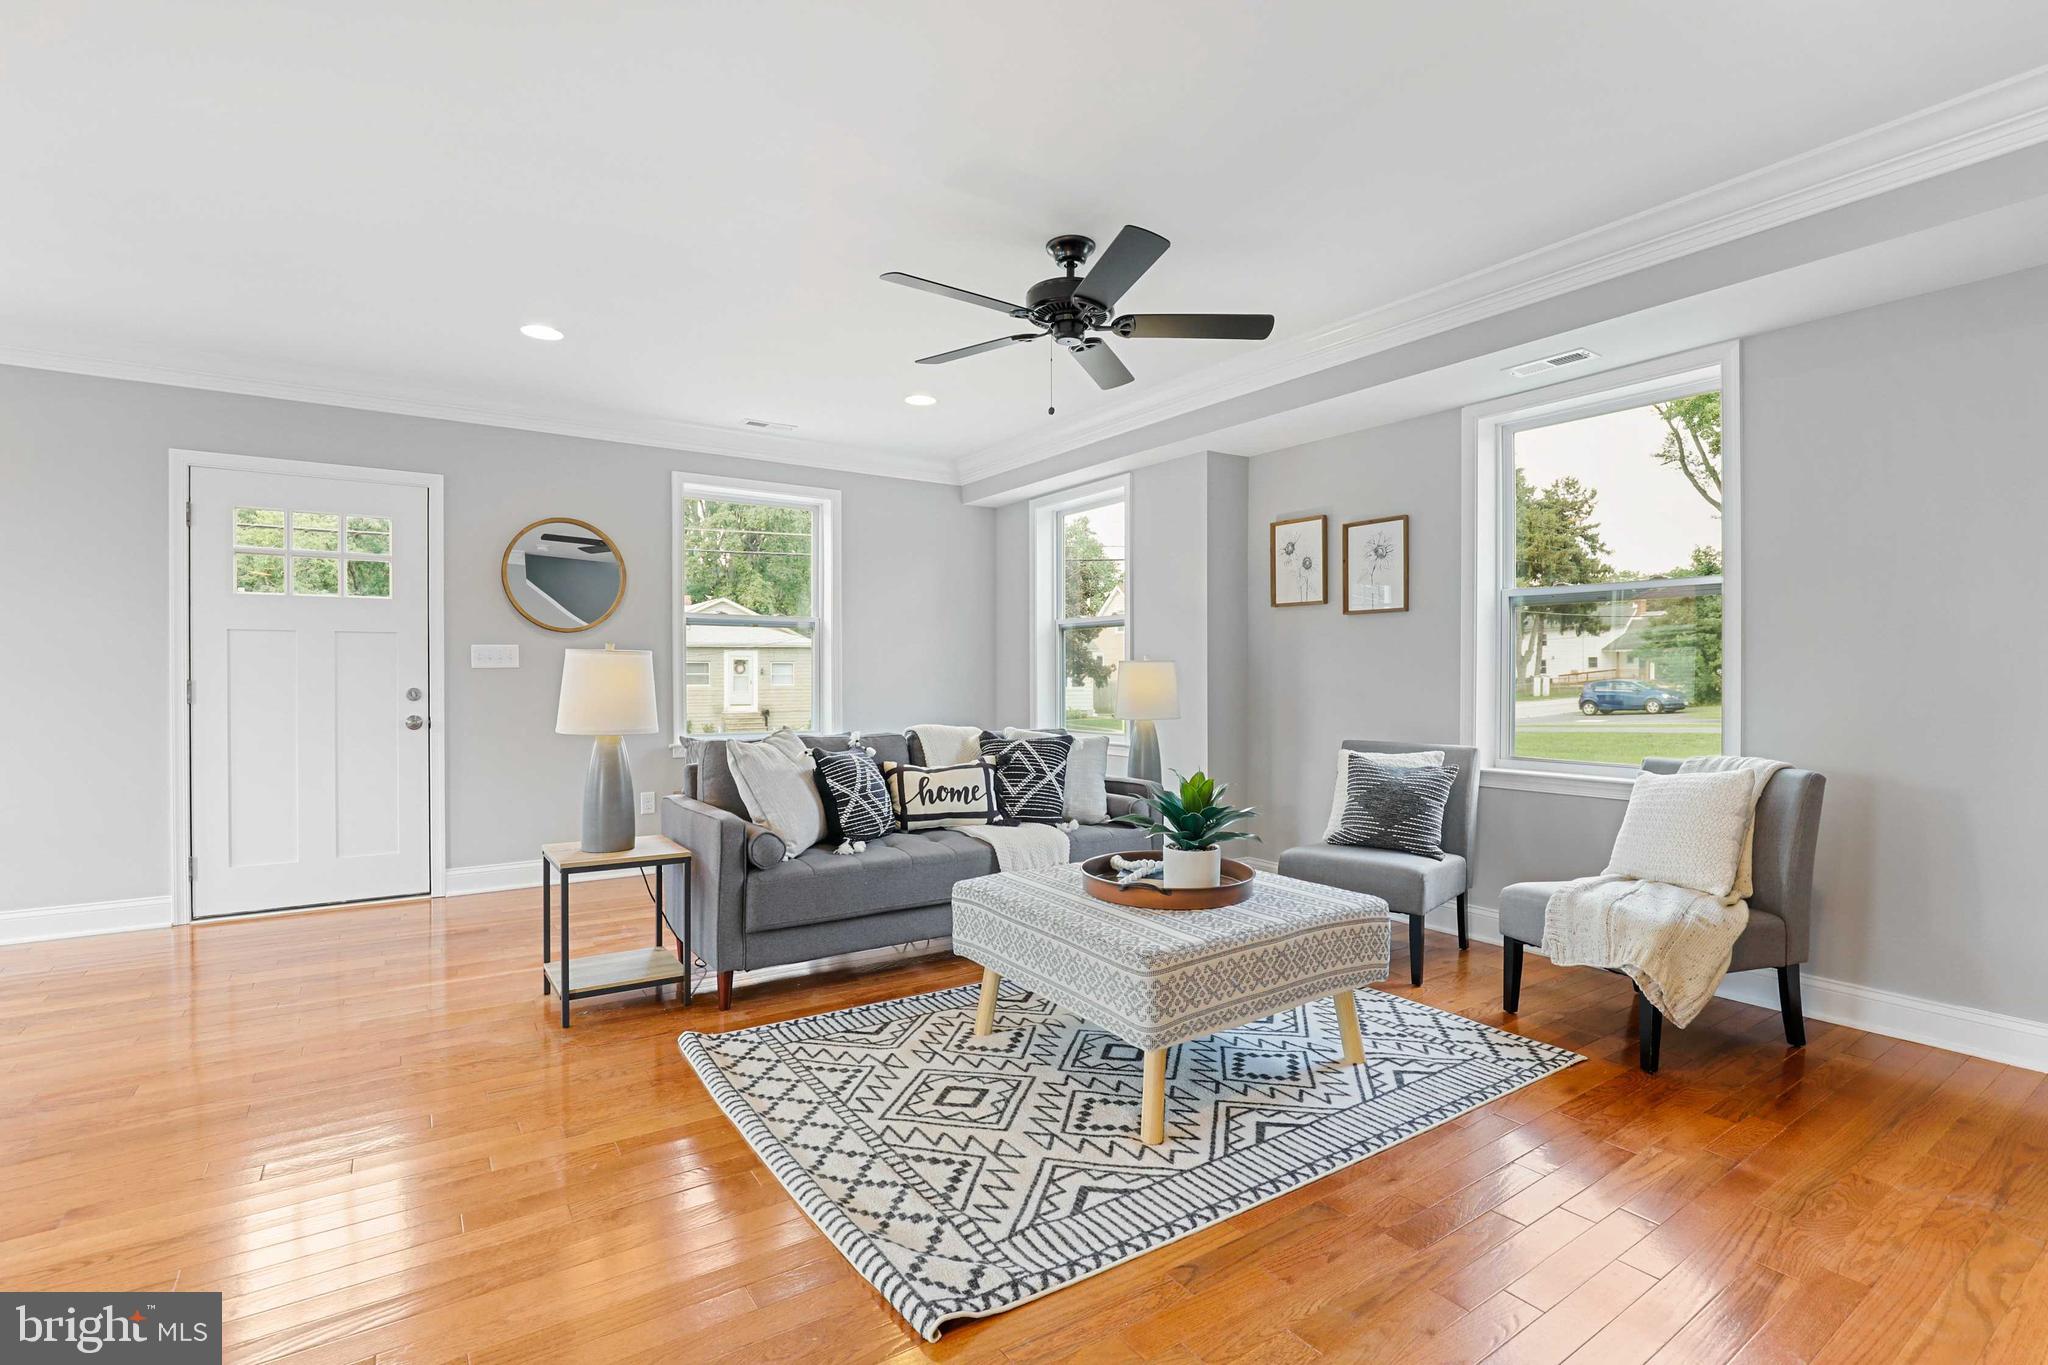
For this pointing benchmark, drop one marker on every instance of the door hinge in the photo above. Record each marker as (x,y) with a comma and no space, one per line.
(188,691)
(192,869)
(188,511)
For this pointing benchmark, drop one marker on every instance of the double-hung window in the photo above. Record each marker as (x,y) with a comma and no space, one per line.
(754,602)
(1082,560)
(1608,604)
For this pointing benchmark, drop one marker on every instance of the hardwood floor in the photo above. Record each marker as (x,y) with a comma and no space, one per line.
(366,1129)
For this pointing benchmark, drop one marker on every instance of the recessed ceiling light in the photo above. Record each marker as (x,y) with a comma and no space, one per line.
(921,400)
(540,331)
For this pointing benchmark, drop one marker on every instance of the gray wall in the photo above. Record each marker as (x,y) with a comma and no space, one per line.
(84,480)
(1893,635)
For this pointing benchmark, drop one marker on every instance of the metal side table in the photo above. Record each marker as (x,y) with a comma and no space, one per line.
(603,973)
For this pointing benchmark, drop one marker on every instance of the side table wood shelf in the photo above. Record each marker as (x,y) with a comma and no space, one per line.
(578,978)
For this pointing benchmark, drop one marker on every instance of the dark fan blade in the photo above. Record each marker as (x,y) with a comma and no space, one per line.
(583,543)
(1220,326)
(948,291)
(1102,365)
(1128,257)
(943,356)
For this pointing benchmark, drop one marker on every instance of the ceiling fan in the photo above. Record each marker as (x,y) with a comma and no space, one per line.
(1068,307)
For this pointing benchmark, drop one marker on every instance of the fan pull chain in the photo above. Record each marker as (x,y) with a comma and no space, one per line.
(1049,352)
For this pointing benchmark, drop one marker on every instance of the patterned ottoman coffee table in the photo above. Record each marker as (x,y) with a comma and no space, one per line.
(1159,977)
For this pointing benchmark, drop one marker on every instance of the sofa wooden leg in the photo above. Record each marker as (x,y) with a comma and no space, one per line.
(1511,975)
(1464,936)
(1415,930)
(1789,1006)
(1649,1033)
(725,990)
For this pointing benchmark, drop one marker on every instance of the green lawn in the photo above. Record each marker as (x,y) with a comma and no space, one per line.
(1614,746)
(1087,722)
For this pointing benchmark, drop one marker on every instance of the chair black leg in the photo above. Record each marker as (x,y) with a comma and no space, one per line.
(1415,928)
(1789,1006)
(1511,975)
(1464,938)
(1649,1033)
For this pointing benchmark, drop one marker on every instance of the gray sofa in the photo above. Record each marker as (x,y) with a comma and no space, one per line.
(751,908)
(1410,884)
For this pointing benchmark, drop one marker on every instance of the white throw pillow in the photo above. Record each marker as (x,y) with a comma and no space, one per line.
(1684,829)
(1421,758)
(1087,774)
(778,783)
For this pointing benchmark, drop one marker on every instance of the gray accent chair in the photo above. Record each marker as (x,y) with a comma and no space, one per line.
(1409,883)
(1786,833)
(752,908)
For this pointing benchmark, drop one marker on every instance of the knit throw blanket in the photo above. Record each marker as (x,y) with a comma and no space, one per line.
(1673,942)
(1021,848)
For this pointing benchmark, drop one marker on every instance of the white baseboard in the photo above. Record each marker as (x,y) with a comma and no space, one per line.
(520,876)
(32,924)
(2005,1038)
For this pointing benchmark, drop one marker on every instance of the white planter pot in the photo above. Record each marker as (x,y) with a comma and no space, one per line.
(1192,869)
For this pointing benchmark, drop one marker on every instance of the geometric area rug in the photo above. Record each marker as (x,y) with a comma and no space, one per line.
(963,1176)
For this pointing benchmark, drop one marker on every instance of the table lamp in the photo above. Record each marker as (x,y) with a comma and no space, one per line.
(607,692)
(1146,690)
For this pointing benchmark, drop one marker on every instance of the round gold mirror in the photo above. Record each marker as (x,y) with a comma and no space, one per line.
(563,574)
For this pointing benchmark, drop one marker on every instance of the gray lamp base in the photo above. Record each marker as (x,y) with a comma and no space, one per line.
(1144,761)
(608,825)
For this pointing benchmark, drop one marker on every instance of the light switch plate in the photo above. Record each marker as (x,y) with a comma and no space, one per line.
(494,656)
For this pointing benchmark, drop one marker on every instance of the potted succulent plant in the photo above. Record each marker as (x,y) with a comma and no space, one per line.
(1194,823)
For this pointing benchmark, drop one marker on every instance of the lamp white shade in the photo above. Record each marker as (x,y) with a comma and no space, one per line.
(607,692)
(1147,689)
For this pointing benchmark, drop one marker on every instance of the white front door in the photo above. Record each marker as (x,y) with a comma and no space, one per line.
(309,676)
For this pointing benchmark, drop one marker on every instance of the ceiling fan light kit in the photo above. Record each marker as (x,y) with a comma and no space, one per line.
(1069,307)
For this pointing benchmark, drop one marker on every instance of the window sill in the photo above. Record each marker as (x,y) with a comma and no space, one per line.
(1555,783)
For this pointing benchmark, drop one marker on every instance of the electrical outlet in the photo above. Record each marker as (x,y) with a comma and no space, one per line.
(647,803)
(494,656)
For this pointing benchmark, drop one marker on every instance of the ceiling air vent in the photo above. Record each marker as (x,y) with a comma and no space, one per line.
(760,424)
(1553,362)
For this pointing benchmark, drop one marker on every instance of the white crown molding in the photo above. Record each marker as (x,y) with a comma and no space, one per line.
(1972,128)
(660,433)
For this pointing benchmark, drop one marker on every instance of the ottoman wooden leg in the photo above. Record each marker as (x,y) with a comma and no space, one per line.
(1347,1027)
(985,1017)
(1152,1109)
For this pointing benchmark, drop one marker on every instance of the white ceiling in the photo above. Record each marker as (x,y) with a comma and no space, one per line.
(370,199)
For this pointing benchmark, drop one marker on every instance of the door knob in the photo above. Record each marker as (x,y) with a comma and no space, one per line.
(414,722)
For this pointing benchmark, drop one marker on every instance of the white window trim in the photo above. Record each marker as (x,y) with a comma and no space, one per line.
(825,655)
(1047,712)
(1486,532)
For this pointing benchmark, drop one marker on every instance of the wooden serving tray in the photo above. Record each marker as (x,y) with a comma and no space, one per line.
(1101,882)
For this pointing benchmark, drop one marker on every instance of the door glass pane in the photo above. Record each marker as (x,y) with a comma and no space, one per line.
(752,556)
(316,531)
(368,543)
(316,577)
(369,578)
(1090,656)
(259,527)
(259,573)
(1092,562)
(1633,676)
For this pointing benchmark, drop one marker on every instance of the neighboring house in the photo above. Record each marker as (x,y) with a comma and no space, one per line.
(743,679)
(1569,659)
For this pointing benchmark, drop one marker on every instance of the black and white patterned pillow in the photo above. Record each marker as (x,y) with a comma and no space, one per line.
(1031,776)
(1398,808)
(933,798)
(857,805)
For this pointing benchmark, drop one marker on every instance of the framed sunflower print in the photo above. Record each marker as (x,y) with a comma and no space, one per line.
(1300,562)
(1375,565)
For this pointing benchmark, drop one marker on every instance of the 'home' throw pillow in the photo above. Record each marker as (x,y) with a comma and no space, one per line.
(1031,776)
(1396,807)
(857,804)
(933,798)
